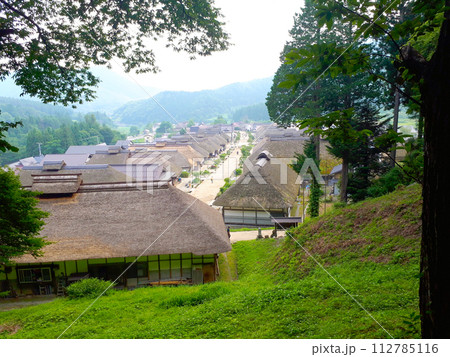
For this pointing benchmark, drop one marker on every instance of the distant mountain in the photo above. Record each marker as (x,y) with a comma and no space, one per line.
(113,91)
(256,112)
(19,109)
(200,105)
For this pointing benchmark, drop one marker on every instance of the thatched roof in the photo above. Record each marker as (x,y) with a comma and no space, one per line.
(276,188)
(91,174)
(69,159)
(85,149)
(287,147)
(124,223)
(109,158)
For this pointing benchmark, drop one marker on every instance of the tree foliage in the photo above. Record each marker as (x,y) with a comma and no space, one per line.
(428,78)
(49,46)
(20,219)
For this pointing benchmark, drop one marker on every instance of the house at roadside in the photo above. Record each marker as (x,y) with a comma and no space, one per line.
(101,221)
(268,189)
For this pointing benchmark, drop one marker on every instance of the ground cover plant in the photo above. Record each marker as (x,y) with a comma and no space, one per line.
(271,288)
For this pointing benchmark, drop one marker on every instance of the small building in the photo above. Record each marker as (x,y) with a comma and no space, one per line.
(334,178)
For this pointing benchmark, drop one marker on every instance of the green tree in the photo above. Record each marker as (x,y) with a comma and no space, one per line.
(20,220)
(220,120)
(366,160)
(164,127)
(134,130)
(4,127)
(431,77)
(49,46)
(309,151)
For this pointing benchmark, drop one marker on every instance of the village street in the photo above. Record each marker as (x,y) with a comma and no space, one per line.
(208,189)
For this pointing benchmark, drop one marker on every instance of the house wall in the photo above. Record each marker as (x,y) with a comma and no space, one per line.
(251,217)
(147,270)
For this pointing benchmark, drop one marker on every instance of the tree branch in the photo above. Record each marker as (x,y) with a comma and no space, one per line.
(406,95)
(413,61)
(42,35)
(367,19)
(401,168)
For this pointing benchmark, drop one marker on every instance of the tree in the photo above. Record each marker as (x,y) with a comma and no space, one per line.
(339,129)
(4,127)
(164,127)
(432,79)
(48,46)
(134,130)
(366,160)
(20,219)
(315,191)
(220,120)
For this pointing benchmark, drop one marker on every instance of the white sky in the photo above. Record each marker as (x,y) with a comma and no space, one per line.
(258,31)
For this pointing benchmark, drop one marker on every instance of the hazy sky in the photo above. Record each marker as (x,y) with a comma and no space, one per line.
(258,29)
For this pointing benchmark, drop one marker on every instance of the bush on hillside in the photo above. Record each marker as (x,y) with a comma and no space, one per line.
(91,288)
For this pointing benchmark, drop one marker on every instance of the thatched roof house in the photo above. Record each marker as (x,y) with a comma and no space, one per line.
(117,224)
(101,220)
(267,188)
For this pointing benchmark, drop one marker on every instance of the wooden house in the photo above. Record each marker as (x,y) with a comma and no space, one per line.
(269,189)
(101,225)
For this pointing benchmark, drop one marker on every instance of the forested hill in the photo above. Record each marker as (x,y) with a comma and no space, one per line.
(55,127)
(201,105)
(17,109)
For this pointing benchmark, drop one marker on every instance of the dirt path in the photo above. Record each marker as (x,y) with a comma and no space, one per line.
(17,303)
(250,235)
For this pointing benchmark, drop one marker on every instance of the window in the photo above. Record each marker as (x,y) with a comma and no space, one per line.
(34,275)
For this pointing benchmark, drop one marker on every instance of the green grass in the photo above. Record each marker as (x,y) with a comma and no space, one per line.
(271,288)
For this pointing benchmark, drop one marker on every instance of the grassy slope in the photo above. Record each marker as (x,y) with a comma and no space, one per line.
(371,248)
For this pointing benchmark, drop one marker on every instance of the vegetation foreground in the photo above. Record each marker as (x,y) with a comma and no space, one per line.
(370,248)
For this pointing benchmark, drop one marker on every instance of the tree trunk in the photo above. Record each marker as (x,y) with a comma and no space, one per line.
(435,262)
(395,123)
(420,127)
(344,179)
(317,145)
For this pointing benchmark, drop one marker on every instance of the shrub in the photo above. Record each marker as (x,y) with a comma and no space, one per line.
(196,181)
(238,172)
(184,174)
(5,294)
(340,204)
(91,288)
